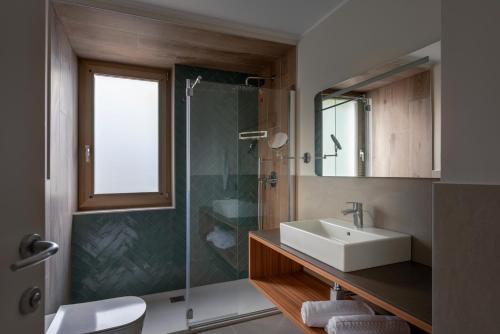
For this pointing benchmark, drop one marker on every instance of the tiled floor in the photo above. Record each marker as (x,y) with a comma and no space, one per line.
(276,324)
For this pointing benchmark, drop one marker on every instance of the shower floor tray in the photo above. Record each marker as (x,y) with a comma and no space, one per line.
(209,302)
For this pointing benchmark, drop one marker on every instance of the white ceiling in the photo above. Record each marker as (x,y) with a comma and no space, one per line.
(290,18)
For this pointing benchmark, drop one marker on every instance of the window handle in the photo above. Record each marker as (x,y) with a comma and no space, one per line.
(87,153)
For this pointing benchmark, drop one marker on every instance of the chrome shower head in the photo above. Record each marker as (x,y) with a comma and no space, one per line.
(190,86)
(336,142)
(197,81)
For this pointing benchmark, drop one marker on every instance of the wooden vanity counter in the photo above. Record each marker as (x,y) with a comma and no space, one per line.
(283,274)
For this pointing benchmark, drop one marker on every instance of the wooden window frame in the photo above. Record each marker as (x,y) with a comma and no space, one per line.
(87,200)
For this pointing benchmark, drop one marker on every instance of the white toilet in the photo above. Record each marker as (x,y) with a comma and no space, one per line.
(123,315)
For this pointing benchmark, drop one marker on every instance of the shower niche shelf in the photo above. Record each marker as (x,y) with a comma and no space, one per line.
(208,221)
(239,227)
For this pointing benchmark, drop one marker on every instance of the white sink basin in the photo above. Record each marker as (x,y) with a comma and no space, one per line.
(343,246)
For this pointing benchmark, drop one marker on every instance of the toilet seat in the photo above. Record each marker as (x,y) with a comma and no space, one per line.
(99,316)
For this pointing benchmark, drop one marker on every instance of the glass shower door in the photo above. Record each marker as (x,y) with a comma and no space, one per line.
(212,203)
(222,196)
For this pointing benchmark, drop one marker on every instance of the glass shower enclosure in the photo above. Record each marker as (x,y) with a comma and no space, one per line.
(236,182)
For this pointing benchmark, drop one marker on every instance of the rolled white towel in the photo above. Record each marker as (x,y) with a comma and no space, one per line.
(221,238)
(317,314)
(367,324)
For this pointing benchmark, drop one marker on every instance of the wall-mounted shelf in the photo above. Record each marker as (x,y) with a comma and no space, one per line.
(283,275)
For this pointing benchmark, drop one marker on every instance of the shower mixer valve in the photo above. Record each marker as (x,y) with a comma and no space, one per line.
(272,180)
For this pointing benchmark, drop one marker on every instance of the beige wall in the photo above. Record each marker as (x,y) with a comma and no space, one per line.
(465,228)
(470,74)
(358,37)
(396,204)
(466,259)
(61,189)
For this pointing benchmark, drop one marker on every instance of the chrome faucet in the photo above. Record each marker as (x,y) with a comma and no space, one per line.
(357,213)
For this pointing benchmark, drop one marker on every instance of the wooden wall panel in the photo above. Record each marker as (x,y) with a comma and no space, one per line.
(61,188)
(274,117)
(402,128)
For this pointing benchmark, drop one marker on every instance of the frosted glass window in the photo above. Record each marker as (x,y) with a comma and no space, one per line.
(126,130)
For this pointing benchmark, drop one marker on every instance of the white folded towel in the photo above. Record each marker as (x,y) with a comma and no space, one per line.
(317,314)
(367,324)
(221,238)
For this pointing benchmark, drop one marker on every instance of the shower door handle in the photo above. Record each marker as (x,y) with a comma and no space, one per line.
(33,250)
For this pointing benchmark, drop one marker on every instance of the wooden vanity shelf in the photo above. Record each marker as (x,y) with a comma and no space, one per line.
(289,291)
(281,274)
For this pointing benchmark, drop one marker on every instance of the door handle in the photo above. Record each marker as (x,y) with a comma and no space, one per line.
(34,250)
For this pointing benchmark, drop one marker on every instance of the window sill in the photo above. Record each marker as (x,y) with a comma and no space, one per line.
(91,212)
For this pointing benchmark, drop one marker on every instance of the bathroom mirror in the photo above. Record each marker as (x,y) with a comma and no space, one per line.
(383,123)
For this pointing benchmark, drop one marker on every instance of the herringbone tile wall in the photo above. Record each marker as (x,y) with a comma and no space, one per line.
(121,254)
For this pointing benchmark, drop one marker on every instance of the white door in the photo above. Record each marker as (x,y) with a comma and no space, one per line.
(22,159)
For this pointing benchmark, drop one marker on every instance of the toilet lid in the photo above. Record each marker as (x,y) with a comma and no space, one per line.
(97,316)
